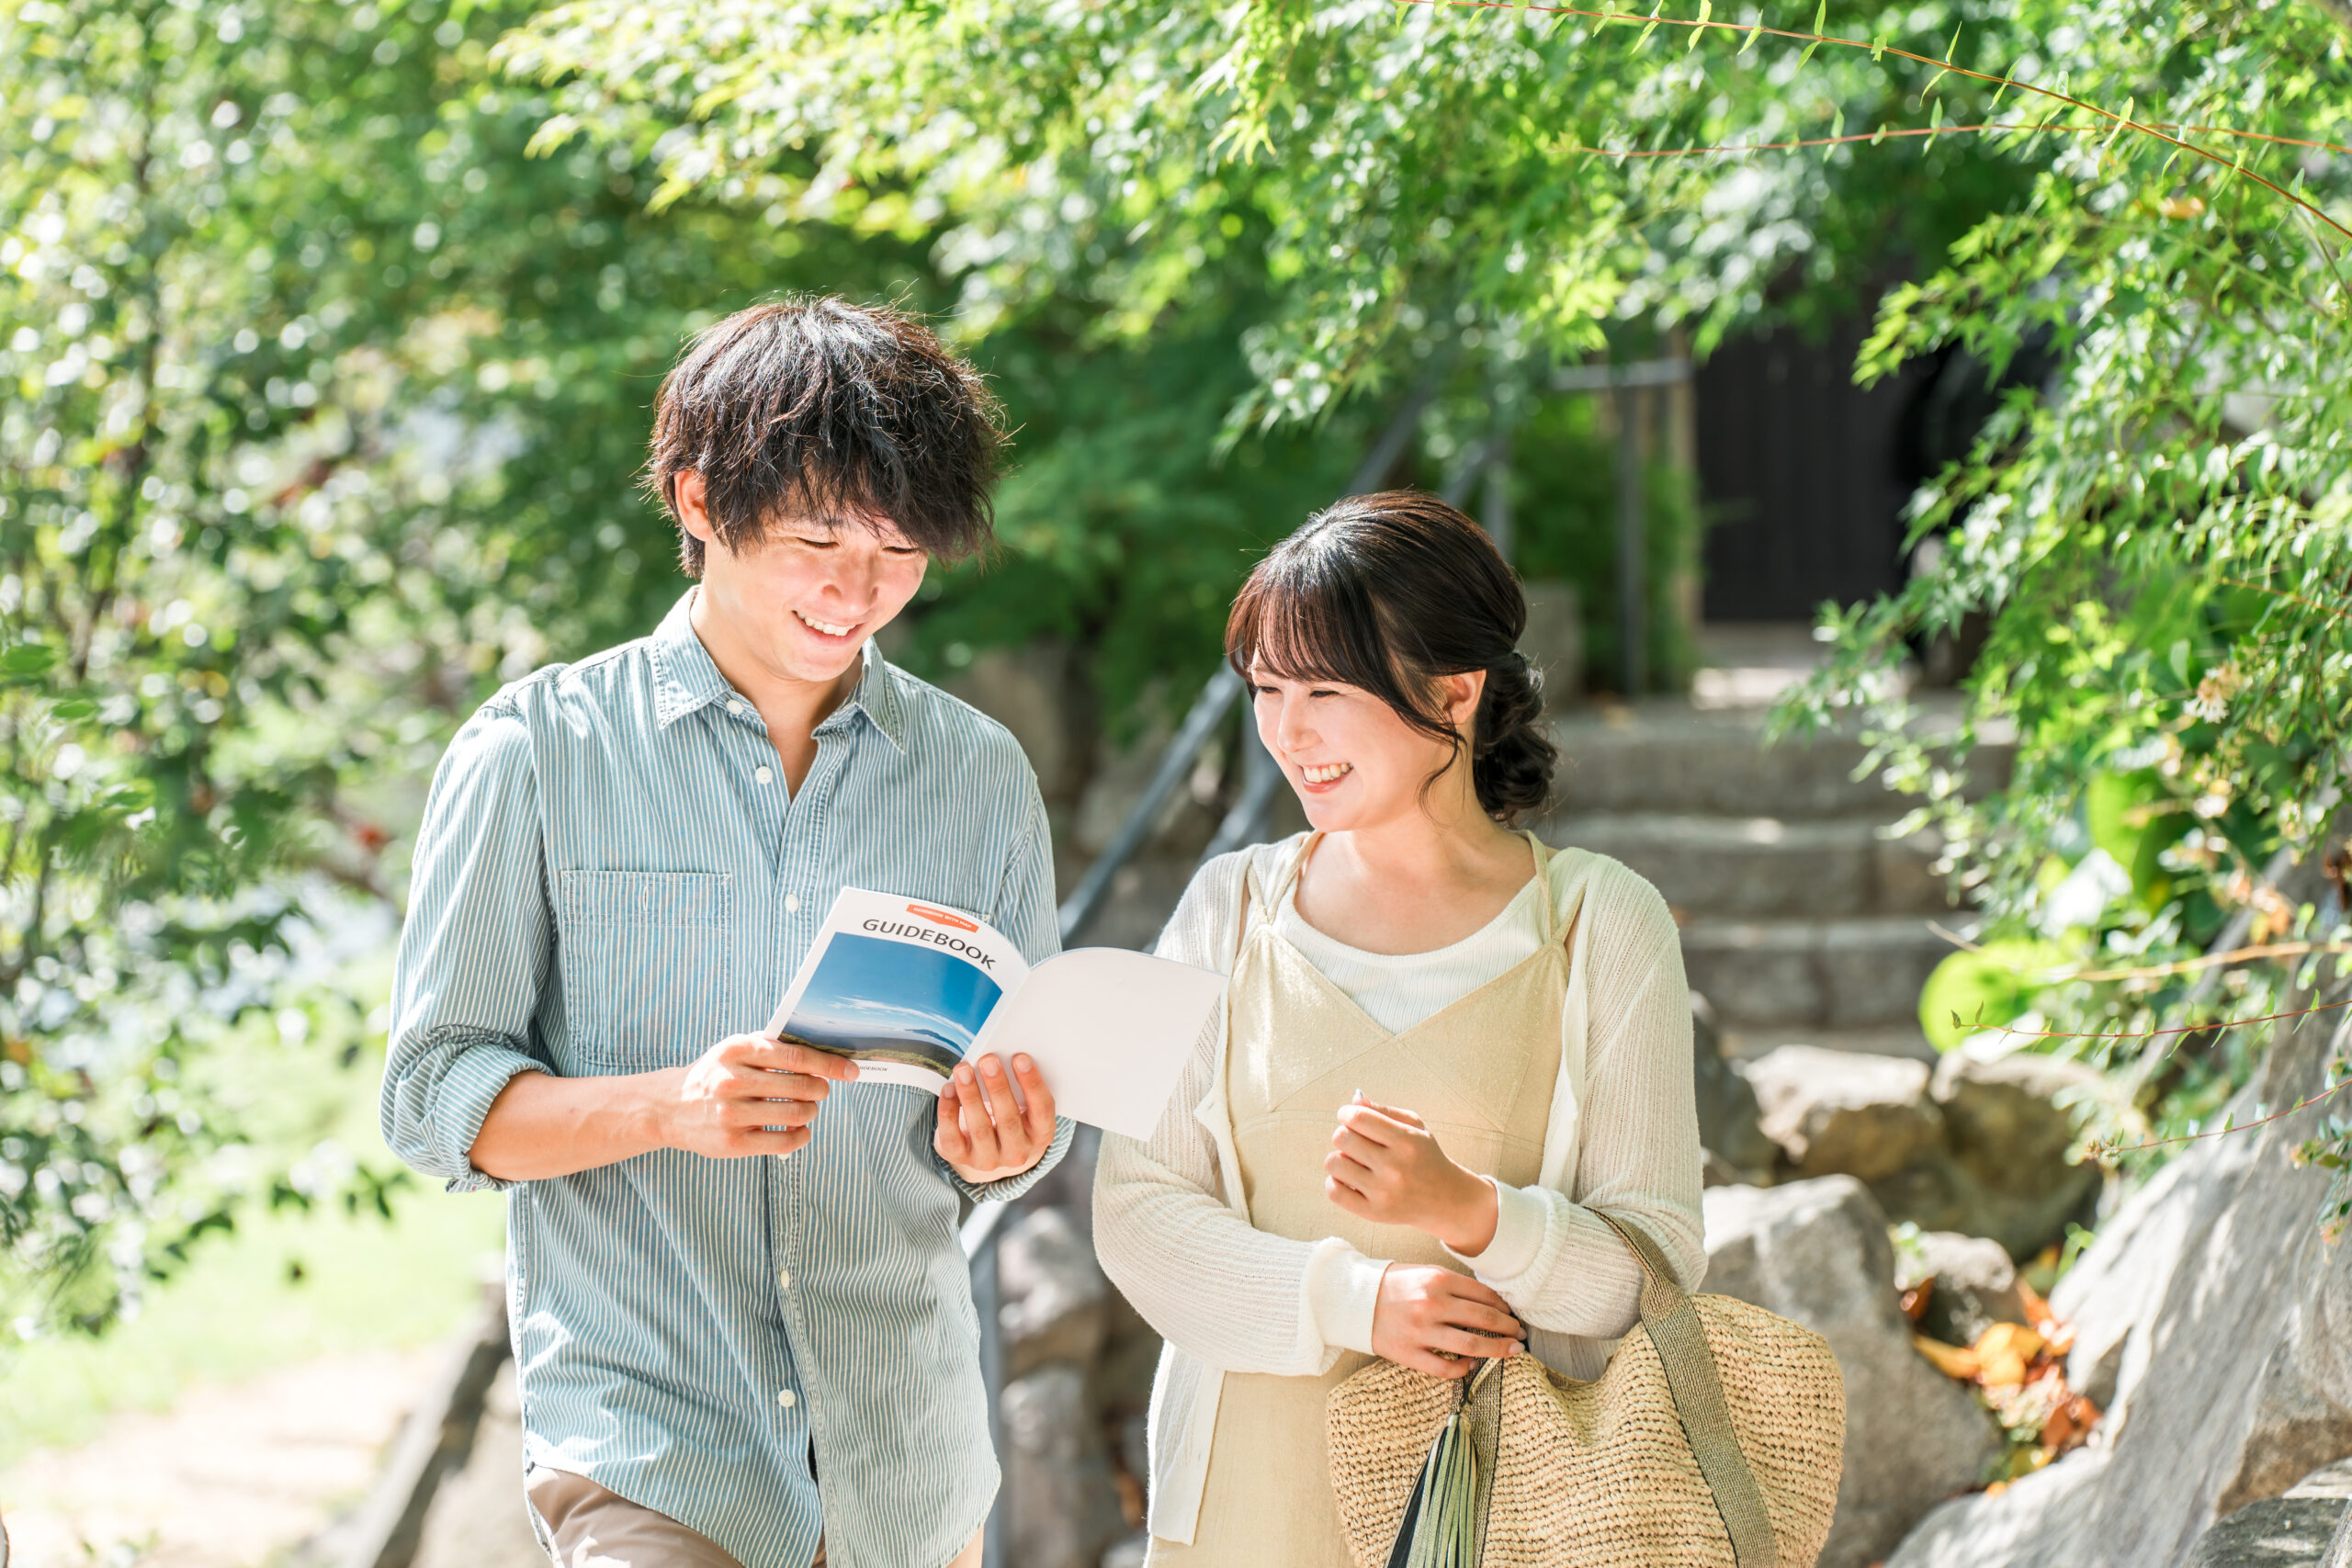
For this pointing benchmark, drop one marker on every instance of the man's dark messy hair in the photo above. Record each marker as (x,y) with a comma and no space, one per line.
(816,408)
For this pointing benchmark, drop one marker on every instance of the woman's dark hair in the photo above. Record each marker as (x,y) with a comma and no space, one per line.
(1387,593)
(833,411)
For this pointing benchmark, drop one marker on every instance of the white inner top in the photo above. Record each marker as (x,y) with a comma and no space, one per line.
(1399,990)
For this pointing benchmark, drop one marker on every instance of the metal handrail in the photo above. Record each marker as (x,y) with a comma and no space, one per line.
(1078,910)
(1252,812)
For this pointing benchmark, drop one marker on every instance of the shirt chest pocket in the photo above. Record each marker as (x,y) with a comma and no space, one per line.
(645,957)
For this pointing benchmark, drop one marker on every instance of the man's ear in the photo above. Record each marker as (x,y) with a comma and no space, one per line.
(689,497)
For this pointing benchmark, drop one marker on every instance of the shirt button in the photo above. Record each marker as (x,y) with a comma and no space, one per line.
(784,1278)
(792,903)
(764,773)
(788,1399)
(735,707)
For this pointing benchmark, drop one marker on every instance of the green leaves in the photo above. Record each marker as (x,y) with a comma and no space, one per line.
(1985,988)
(1820,27)
(304,448)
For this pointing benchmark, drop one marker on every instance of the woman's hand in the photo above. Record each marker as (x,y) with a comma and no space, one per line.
(983,1132)
(1385,1167)
(1442,1323)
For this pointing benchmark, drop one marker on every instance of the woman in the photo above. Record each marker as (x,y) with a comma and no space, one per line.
(1443,1045)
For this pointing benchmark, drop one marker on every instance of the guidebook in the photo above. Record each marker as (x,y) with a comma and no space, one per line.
(908,989)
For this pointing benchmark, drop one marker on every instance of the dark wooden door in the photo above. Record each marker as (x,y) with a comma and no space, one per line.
(1798,475)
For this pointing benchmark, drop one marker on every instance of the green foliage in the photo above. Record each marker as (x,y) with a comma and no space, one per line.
(318,403)
(1415,179)
(2152,528)
(1985,988)
(2157,544)
(1564,529)
(1120,533)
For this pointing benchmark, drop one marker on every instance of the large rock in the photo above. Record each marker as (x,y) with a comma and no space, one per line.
(1841,1113)
(1057,1302)
(1975,1285)
(1730,1120)
(2008,1125)
(2010,1119)
(2304,1527)
(1061,1507)
(2277,1532)
(2217,1320)
(1817,1252)
(1973,1146)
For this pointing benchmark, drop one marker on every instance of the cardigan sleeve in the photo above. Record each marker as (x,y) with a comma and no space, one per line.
(1234,1297)
(1557,1263)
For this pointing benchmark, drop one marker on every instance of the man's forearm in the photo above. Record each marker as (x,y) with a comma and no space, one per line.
(747,1095)
(542,1126)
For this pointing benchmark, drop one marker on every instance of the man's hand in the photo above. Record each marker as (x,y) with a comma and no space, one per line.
(747,1095)
(1385,1166)
(1438,1322)
(983,1132)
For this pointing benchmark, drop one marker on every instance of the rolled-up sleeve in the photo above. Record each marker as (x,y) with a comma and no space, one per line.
(1026,911)
(475,953)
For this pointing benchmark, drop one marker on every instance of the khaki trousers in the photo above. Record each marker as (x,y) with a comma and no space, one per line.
(595,1527)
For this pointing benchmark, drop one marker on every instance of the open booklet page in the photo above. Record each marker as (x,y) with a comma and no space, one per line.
(908,989)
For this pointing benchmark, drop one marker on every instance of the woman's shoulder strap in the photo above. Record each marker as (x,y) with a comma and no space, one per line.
(1571,874)
(1259,871)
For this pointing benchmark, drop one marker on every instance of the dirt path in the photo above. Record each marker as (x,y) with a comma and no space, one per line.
(230,1477)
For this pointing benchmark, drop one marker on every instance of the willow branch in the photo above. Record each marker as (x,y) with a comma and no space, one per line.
(1879,48)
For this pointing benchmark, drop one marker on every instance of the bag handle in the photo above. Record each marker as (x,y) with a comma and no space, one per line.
(1691,1378)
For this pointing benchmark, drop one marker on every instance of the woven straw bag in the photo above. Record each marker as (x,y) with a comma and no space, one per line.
(1713,1440)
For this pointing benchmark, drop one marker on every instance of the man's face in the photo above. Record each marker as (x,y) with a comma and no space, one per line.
(803,601)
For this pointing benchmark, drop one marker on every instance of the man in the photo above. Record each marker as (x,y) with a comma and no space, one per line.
(728,1360)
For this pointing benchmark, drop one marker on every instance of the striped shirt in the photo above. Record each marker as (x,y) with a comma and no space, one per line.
(611,877)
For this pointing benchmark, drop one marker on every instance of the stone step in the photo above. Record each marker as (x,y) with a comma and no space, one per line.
(1766,867)
(1811,975)
(1902,1040)
(1668,758)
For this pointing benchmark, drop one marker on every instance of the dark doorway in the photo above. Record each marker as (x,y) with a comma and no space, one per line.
(1798,475)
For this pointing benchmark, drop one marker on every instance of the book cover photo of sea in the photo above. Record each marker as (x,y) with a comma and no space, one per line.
(875,1001)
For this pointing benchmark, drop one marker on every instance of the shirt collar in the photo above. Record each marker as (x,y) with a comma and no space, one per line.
(686,680)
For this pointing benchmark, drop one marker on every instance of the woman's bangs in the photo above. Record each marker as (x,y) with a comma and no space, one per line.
(1289,631)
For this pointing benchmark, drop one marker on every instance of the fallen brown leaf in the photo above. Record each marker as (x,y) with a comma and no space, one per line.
(1949,1360)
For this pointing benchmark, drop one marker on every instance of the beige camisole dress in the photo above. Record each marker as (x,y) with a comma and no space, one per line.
(1479,1072)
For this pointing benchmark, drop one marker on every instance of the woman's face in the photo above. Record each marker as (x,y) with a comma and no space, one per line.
(1354,764)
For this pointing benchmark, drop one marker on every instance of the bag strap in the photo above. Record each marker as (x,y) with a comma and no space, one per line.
(1693,1379)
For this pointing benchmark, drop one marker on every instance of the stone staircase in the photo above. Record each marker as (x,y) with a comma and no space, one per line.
(1801,923)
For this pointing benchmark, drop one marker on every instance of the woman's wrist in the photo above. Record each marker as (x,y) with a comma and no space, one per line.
(1468,1225)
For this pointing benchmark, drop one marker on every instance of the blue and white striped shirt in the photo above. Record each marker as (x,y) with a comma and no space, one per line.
(611,876)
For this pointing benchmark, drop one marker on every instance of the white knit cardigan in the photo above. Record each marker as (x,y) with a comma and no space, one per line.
(1173,1232)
